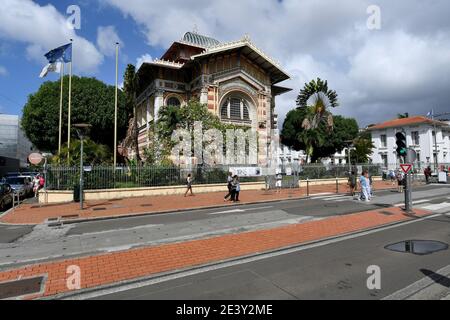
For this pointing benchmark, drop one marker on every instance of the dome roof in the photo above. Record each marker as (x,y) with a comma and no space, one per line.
(200,40)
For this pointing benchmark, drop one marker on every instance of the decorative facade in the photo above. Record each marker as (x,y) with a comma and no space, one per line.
(236,80)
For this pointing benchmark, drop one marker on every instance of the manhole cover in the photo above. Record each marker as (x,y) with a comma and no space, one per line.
(20,287)
(419,247)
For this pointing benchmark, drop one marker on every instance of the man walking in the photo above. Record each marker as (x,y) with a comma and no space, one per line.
(229,186)
(365,186)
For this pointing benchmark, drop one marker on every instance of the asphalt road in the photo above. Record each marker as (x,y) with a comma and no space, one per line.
(46,243)
(332,271)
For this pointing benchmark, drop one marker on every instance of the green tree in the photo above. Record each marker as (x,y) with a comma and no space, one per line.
(403,115)
(92,103)
(363,148)
(93,153)
(321,141)
(317,100)
(130,87)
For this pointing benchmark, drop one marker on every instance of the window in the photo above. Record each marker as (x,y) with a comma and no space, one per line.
(384,160)
(383,141)
(235,109)
(415,138)
(173,102)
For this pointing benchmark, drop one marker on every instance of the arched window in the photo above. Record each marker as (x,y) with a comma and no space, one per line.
(235,109)
(173,102)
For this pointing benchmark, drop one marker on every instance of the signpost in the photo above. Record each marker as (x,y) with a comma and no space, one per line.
(411,156)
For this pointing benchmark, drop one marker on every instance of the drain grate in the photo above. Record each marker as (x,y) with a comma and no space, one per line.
(73,216)
(146,205)
(386,213)
(418,247)
(99,209)
(20,287)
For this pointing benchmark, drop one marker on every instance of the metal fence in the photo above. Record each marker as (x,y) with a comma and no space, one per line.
(108,177)
(95,178)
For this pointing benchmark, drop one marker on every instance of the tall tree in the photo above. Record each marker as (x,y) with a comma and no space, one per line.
(92,103)
(323,142)
(130,87)
(317,100)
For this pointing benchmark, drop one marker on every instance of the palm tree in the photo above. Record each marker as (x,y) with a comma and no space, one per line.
(130,87)
(317,99)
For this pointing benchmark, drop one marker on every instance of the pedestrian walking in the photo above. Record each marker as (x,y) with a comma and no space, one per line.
(36,185)
(229,186)
(400,180)
(189,185)
(234,188)
(352,183)
(427,173)
(237,189)
(279,182)
(365,186)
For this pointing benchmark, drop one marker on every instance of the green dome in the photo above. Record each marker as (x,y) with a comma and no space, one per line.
(199,40)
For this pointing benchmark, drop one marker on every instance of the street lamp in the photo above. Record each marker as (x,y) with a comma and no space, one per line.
(81,129)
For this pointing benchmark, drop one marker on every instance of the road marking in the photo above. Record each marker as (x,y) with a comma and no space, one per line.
(416,287)
(151,280)
(437,206)
(239,210)
(414,202)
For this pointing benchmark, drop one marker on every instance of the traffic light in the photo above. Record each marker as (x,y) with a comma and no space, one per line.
(401,144)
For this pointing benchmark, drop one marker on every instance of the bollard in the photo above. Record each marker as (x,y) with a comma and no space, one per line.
(307,187)
(337,185)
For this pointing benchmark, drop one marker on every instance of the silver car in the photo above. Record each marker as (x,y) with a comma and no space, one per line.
(21,185)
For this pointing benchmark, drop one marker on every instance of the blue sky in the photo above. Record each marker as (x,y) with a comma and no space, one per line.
(402,66)
(22,73)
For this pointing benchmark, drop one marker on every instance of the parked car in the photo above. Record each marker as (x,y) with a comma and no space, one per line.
(22,185)
(6,197)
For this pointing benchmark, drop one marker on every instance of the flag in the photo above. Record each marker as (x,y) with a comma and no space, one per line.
(51,67)
(63,53)
(430,114)
(55,57)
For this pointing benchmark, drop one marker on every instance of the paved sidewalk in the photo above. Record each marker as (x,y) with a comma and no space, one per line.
(107,269)
(35,214)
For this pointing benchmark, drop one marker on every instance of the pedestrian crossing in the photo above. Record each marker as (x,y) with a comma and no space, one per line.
(334,197)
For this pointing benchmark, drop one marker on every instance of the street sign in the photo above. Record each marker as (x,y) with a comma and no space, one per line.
(406,168)
(35,158)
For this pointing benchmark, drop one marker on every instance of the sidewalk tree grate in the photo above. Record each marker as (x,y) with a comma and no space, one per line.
(20,288)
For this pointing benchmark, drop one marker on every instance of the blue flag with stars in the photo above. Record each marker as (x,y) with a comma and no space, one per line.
(61,54)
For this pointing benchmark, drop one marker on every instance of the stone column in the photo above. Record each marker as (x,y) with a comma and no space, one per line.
(159,103)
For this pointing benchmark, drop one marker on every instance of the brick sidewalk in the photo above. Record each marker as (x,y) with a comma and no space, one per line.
(132,264)
(35,214)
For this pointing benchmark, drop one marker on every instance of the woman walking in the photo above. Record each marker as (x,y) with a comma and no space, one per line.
(189,185)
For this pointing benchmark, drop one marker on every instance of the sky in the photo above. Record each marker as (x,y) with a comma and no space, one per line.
(382,57)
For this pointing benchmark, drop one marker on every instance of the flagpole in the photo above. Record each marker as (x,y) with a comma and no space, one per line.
(61,109)
(70,108)
(115,106)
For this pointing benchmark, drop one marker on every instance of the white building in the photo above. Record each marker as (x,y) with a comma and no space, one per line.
(13,143)
(420,136)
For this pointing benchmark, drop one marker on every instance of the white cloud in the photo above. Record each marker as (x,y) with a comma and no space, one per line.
(107,38)
(43,28)
(144,58)
(3,71)
(404,67)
